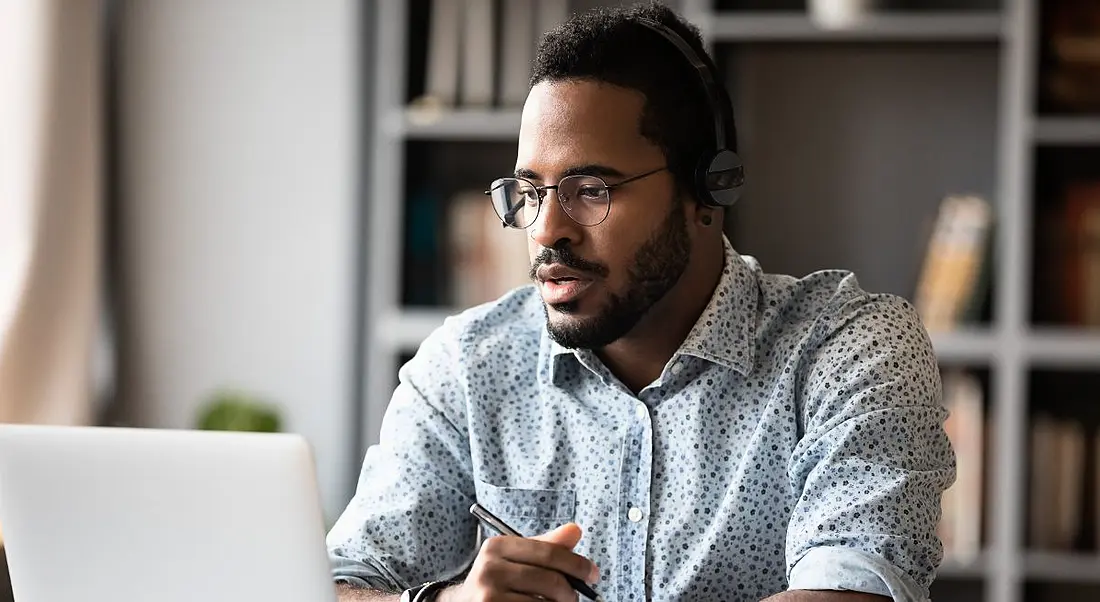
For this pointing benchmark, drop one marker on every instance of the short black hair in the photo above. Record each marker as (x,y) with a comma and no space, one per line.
(610,45)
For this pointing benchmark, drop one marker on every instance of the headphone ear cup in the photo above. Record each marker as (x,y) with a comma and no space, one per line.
(723,178)
(702,191)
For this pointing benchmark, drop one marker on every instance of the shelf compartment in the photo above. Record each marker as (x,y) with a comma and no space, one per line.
(1060,452)
(455,252)
(1065,263)
(878,224)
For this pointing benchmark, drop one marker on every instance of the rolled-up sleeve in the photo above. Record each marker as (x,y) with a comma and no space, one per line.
(408,521)
(874,459)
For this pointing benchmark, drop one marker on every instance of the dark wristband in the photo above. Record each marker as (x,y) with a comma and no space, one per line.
(430,591)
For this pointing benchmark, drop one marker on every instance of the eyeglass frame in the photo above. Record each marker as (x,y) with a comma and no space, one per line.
(541,192)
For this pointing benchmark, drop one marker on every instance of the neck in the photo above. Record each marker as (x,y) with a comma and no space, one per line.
(638,358)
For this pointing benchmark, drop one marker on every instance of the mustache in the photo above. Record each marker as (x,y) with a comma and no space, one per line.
(563,255)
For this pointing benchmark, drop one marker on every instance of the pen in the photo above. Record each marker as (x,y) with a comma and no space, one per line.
(479,511)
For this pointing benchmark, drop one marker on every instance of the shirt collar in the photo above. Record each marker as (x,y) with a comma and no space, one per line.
(725,332)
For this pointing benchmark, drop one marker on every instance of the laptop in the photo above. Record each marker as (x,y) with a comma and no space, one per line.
(102,514)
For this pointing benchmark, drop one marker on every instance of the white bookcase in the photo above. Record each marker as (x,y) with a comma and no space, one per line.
(955,81)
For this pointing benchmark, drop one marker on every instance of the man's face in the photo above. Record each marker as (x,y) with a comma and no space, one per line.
(597,282)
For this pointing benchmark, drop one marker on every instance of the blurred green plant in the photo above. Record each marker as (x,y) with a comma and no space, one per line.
(238,411)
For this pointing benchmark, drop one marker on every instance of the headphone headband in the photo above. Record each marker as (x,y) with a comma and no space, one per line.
(720,176)
(704,75)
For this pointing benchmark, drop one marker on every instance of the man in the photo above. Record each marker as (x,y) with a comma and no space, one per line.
(669,421)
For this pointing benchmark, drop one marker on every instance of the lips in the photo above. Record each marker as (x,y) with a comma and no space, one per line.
(563,291)
(560,284)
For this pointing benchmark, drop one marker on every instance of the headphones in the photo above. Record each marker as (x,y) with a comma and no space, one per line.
(719,176)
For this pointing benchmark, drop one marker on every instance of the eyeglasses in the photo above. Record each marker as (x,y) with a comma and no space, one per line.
(585,199)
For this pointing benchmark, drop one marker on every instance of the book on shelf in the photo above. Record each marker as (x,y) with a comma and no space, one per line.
(1081,280)
(960,526)
(954,276)
(1055,514)
(444,45)
(486,259)
(518,40)
(1095,487)
(1070,73)
(1067,256)
(480,52)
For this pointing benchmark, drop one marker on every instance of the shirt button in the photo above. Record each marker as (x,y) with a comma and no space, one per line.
(677,368)
(641,411)
(634,514)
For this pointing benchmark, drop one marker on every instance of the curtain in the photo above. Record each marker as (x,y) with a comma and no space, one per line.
(50,209)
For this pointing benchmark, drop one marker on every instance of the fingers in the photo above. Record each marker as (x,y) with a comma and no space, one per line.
(501,574)
(568,535)
(542,554)
(517,568)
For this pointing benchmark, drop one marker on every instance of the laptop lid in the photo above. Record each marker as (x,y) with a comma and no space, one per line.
(118,515)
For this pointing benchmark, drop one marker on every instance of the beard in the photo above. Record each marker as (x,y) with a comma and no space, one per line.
(655,268)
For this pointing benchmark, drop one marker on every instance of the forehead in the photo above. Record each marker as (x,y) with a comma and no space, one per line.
(576,122)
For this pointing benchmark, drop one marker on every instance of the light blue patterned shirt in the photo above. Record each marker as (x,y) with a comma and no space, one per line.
(794,441)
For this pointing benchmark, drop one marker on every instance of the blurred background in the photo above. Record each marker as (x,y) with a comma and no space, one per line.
(248,214)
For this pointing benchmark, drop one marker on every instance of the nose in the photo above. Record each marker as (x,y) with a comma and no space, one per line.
(553,225)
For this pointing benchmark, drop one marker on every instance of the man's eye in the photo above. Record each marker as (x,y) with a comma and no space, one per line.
(590,193)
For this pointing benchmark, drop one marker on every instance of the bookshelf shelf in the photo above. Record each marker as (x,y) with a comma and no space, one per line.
(1067,130)
(965,346)
(963,568)
(403,330)
(730,26)
(464,124)
(1064,348)
(1062,567)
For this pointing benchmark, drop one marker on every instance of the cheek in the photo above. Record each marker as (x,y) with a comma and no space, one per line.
(617,257)
(532,249)
(617,240)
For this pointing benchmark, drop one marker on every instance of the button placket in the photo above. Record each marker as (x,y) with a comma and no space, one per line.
(634,503)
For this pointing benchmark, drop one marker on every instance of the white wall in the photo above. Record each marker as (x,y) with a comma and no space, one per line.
(238,174)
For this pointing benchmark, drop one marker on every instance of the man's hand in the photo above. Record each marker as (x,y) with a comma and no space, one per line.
(515,568)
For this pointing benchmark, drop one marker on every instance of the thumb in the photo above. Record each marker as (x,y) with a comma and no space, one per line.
(567,535)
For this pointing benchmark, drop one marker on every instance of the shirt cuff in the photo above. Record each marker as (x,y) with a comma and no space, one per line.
(361,575)
(846,569)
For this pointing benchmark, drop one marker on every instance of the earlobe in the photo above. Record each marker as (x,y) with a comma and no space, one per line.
(706,219)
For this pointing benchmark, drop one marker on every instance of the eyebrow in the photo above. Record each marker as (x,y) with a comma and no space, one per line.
(590,169)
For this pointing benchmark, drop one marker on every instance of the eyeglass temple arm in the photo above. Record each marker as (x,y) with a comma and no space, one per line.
(637,177)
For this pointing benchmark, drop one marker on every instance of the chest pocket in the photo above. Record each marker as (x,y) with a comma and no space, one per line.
(529,511)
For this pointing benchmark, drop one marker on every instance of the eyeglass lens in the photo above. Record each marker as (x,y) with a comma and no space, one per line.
(584,198)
